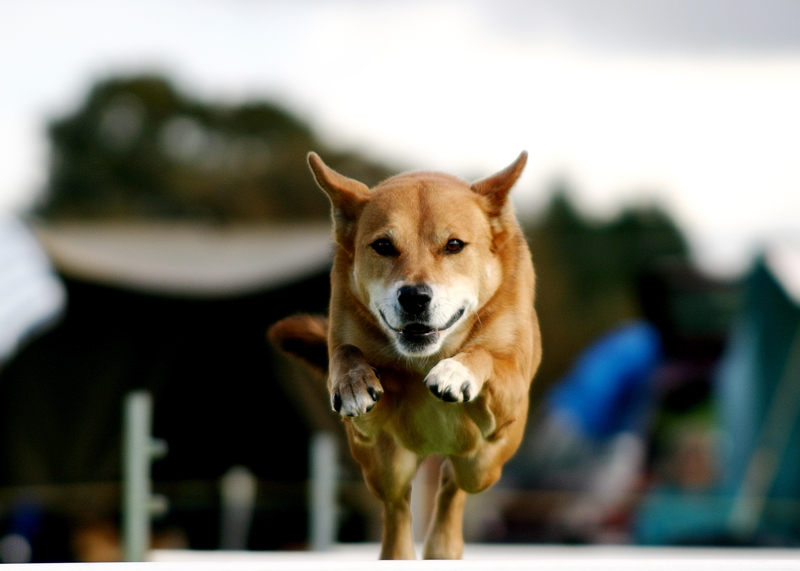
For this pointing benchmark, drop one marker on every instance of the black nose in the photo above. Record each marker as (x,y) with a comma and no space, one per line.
(414,299)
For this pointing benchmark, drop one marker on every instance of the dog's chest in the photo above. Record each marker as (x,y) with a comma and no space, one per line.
(426,425)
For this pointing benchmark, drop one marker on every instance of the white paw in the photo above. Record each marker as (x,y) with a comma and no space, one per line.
(452,382)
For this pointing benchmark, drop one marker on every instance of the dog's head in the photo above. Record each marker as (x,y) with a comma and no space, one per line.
(421,249)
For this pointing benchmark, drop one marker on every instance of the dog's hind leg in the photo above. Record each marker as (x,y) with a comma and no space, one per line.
(388,470)
(445,539)
(462,475)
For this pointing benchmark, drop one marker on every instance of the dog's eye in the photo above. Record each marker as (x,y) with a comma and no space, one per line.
(384,247)
(454,246)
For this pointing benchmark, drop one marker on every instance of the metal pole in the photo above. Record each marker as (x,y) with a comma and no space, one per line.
(238,489)
(139,449)
(323,460)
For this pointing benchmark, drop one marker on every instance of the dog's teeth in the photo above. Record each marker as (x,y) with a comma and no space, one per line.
(337,402)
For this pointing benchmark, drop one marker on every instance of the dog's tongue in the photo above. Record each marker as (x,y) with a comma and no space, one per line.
(417,329)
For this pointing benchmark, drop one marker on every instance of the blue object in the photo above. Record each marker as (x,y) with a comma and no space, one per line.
(608,389)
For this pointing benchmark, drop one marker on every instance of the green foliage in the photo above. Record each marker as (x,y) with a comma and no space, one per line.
(138,148)
(588,274)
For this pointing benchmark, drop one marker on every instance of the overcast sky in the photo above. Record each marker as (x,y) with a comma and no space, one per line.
(691,104)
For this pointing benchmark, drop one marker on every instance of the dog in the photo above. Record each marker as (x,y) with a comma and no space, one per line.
(432,340)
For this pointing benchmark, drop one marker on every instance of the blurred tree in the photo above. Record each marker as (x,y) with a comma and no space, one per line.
(138,148)
(588,274)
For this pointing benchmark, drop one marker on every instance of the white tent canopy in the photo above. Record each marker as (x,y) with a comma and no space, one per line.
(188,259)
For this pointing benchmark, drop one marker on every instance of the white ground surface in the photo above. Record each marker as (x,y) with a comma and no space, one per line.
(501,558)
(362,557)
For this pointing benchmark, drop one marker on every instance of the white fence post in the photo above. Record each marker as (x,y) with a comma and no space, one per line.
(238,489)
(322,508)
(138,449)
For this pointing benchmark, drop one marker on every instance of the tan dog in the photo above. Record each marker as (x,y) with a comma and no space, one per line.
(433,339)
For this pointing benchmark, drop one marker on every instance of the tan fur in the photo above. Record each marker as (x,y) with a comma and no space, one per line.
(304,336)
(493,350)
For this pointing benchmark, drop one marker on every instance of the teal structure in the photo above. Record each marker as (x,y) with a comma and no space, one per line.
(757,394)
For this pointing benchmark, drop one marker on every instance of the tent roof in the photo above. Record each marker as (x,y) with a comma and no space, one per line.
(783,261)
(187,259)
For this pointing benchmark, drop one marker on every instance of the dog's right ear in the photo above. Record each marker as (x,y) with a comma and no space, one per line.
(347,195)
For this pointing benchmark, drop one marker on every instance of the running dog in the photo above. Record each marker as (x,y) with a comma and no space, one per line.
(432,340)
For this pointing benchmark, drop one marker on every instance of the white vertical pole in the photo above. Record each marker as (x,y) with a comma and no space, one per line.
(323,461)
(136,468)
(238,489)
(138,450)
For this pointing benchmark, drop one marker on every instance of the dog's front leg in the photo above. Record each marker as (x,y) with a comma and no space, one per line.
(461,377)
(353,383)
(498,381)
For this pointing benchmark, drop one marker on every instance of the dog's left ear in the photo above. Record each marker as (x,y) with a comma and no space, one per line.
(496,187)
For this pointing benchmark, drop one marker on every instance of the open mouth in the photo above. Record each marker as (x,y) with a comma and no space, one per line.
(420,331)
(417,329)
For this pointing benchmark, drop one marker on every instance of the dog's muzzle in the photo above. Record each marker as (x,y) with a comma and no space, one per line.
(417,336)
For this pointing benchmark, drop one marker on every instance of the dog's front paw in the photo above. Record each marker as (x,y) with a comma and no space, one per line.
(356,392)
(452,382)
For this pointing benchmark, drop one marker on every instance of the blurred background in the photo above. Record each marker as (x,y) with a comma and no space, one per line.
(157,215)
